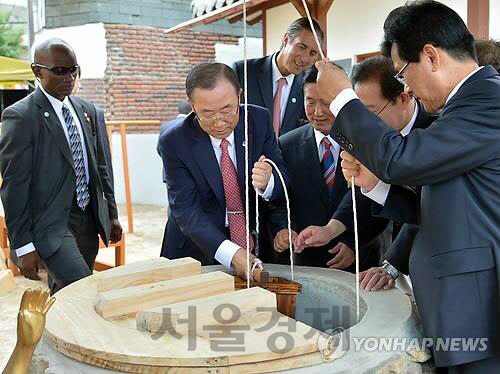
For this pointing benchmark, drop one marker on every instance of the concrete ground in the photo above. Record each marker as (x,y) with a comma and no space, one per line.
(144,243)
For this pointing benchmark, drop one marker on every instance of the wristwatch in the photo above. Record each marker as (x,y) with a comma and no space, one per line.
(390,270)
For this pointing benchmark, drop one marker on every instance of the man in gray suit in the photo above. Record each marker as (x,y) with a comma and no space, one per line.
(56,190)
(455,256)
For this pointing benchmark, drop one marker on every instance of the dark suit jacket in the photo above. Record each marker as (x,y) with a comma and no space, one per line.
(39,179)
(310,204)
(103,133)
(260,91)
(197,208)
(454,259)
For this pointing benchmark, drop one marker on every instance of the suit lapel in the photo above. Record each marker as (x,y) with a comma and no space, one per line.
(204,155)
(51,121)
(239,140)
(265,80)
(293,105)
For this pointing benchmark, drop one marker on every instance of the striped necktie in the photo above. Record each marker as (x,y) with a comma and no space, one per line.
(75,144)
(327,164)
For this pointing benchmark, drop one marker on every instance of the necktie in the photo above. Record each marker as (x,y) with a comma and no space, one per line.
(234,205)
(277,106)
(75,144)
(327,164)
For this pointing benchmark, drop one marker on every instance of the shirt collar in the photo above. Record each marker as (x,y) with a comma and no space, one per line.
(319,137)
(277,74)
(56,103)
(406,130)
(216,142)
(460,84)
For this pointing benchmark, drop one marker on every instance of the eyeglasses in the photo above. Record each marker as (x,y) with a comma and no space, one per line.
(223,116)
(60,70)
(399,75)
(385,106)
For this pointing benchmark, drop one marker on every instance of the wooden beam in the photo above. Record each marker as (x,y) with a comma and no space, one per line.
(261,7)
(299,7)
(264,32)
(255,20)
(478,18)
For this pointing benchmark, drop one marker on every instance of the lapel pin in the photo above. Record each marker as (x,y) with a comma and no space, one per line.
(294,100)
(86,116)
(46,114)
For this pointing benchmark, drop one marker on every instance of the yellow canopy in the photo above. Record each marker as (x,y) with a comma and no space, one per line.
(14,71)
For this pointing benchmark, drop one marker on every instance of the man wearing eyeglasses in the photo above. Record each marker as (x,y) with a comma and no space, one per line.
(455,256)
(203,157)
(56,191)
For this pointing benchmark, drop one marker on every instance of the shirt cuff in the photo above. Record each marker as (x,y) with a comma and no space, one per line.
(225,252)
(25,249)
(266,195)
(378,193)
(342,99)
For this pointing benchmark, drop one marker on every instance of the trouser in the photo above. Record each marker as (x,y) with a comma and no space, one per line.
(75,257)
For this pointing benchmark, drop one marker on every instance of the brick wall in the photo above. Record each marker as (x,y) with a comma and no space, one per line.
(146,71)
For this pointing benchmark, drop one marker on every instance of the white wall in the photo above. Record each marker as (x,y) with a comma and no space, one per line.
(88,42)
(229,53)
(278,20)
(145,170)
(495,19)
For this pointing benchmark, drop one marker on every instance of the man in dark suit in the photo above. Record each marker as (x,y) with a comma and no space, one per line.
(373,81)
(56,190)
(275,81)
(203,158)
(456,250)
(317,187)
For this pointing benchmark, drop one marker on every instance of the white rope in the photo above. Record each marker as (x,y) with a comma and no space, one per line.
(245,90)
(288,216)
(354,209)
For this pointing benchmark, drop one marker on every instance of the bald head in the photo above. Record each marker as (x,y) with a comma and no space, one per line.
(44,50)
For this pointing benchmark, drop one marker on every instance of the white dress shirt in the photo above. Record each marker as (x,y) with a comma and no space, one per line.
(57,105)
(227,248)
(348,94)
(285,91)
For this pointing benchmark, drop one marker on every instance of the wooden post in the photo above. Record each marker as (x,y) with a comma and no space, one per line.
(128,197)
(478,18)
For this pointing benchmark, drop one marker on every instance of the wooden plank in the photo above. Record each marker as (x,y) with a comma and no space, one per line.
(7,282)
(128,195)
(243,302)
(125,301)
(148,271)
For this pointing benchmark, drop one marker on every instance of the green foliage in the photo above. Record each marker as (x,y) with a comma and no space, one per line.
(10,38)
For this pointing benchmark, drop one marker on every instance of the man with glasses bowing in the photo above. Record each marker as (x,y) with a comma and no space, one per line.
(56,191)
(204,161)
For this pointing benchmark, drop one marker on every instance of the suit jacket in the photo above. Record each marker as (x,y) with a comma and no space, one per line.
(260,91)
(197,208)
(455,254)
(103,133)
(39,178)
(310,204)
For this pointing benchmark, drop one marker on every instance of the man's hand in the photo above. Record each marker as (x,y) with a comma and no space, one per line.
(331,80)
(353,168)
(344,257)
(261,173)
(30,265)
(281,243)
(239,263)
(316,236)
(116,231)
(375,278)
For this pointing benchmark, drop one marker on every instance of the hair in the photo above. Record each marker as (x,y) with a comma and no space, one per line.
(184,107)
(416,24)
(206,76)
(381,70)
(301,24)
(311,74)
(488,53)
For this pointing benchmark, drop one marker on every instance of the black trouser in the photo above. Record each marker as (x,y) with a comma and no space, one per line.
(75,258)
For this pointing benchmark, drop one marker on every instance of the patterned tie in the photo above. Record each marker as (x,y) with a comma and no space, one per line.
(234,205)
(277,106)
(75,144)
(327,164)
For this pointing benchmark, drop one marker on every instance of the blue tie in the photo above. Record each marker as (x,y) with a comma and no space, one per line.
(75,144)
(327,164)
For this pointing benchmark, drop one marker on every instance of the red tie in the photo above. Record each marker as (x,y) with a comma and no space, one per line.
(277,106)
(234,205)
